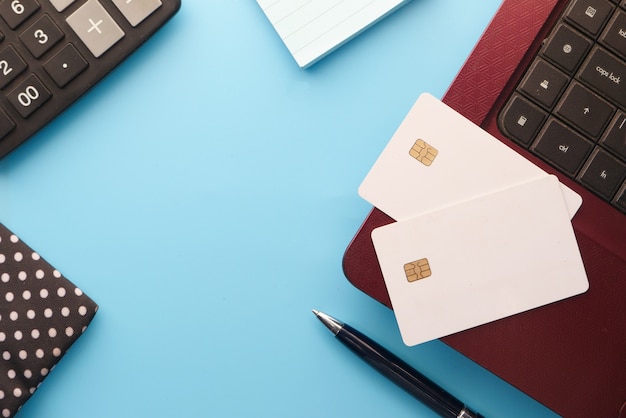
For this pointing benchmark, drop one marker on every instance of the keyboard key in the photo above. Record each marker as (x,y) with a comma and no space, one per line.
(544,83)
(620,198)
(589,14)
(563,147)
(603,173)
(11,65)
(61,5)
(15,12)
(567,48)
(41,36)
(65,65)
(522,120)
(29,96)
(135,11)
(585,110)
(615,34)
(605,73)
(615,139)
(95,27)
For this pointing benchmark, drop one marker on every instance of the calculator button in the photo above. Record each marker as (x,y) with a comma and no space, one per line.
(11,65)
(544,83)
(41,36)
(6,124)
(28,96)
(135,11)
(562,146)
(95,27)
(603,173)
(65,65)
(14,12)
(61,5)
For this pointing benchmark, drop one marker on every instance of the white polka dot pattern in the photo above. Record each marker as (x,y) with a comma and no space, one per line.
(41,315)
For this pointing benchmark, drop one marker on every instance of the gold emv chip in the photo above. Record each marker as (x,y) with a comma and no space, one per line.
(423,152)
(417,270)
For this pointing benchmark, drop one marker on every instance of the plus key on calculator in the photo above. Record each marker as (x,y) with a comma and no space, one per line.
(54,51)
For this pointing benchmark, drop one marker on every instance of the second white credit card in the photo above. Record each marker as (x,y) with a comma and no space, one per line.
(437,157)
(484,259)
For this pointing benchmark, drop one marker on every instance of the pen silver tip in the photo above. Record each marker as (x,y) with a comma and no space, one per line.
(331,323)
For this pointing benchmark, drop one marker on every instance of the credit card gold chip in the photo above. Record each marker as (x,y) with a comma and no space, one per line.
(417,270)
(423,152)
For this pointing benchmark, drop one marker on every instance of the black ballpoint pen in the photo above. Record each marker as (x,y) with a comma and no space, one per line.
(397,370)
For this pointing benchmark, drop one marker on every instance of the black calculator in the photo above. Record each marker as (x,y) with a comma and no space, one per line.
(54,51)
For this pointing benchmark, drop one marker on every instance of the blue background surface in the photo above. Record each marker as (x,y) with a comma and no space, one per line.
(203,195)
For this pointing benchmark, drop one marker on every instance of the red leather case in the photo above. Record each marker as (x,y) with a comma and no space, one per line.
(570,355)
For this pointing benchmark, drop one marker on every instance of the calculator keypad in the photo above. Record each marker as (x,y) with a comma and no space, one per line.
(54,51)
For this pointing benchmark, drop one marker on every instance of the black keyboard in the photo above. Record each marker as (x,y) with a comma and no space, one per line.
(570,106)
(54,51)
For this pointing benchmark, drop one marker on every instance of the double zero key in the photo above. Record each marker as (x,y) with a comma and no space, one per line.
(29,95)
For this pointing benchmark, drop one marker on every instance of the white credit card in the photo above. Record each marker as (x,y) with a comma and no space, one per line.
(437,157)
(458,267)
(312,28)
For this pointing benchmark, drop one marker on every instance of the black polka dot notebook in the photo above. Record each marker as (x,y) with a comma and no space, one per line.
(41,315)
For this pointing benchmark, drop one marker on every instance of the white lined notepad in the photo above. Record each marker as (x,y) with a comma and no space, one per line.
(312,28)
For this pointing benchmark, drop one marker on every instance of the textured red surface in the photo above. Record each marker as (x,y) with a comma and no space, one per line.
(570,355)
(498,53)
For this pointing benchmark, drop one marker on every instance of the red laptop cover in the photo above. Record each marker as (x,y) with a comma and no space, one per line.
(570,355)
